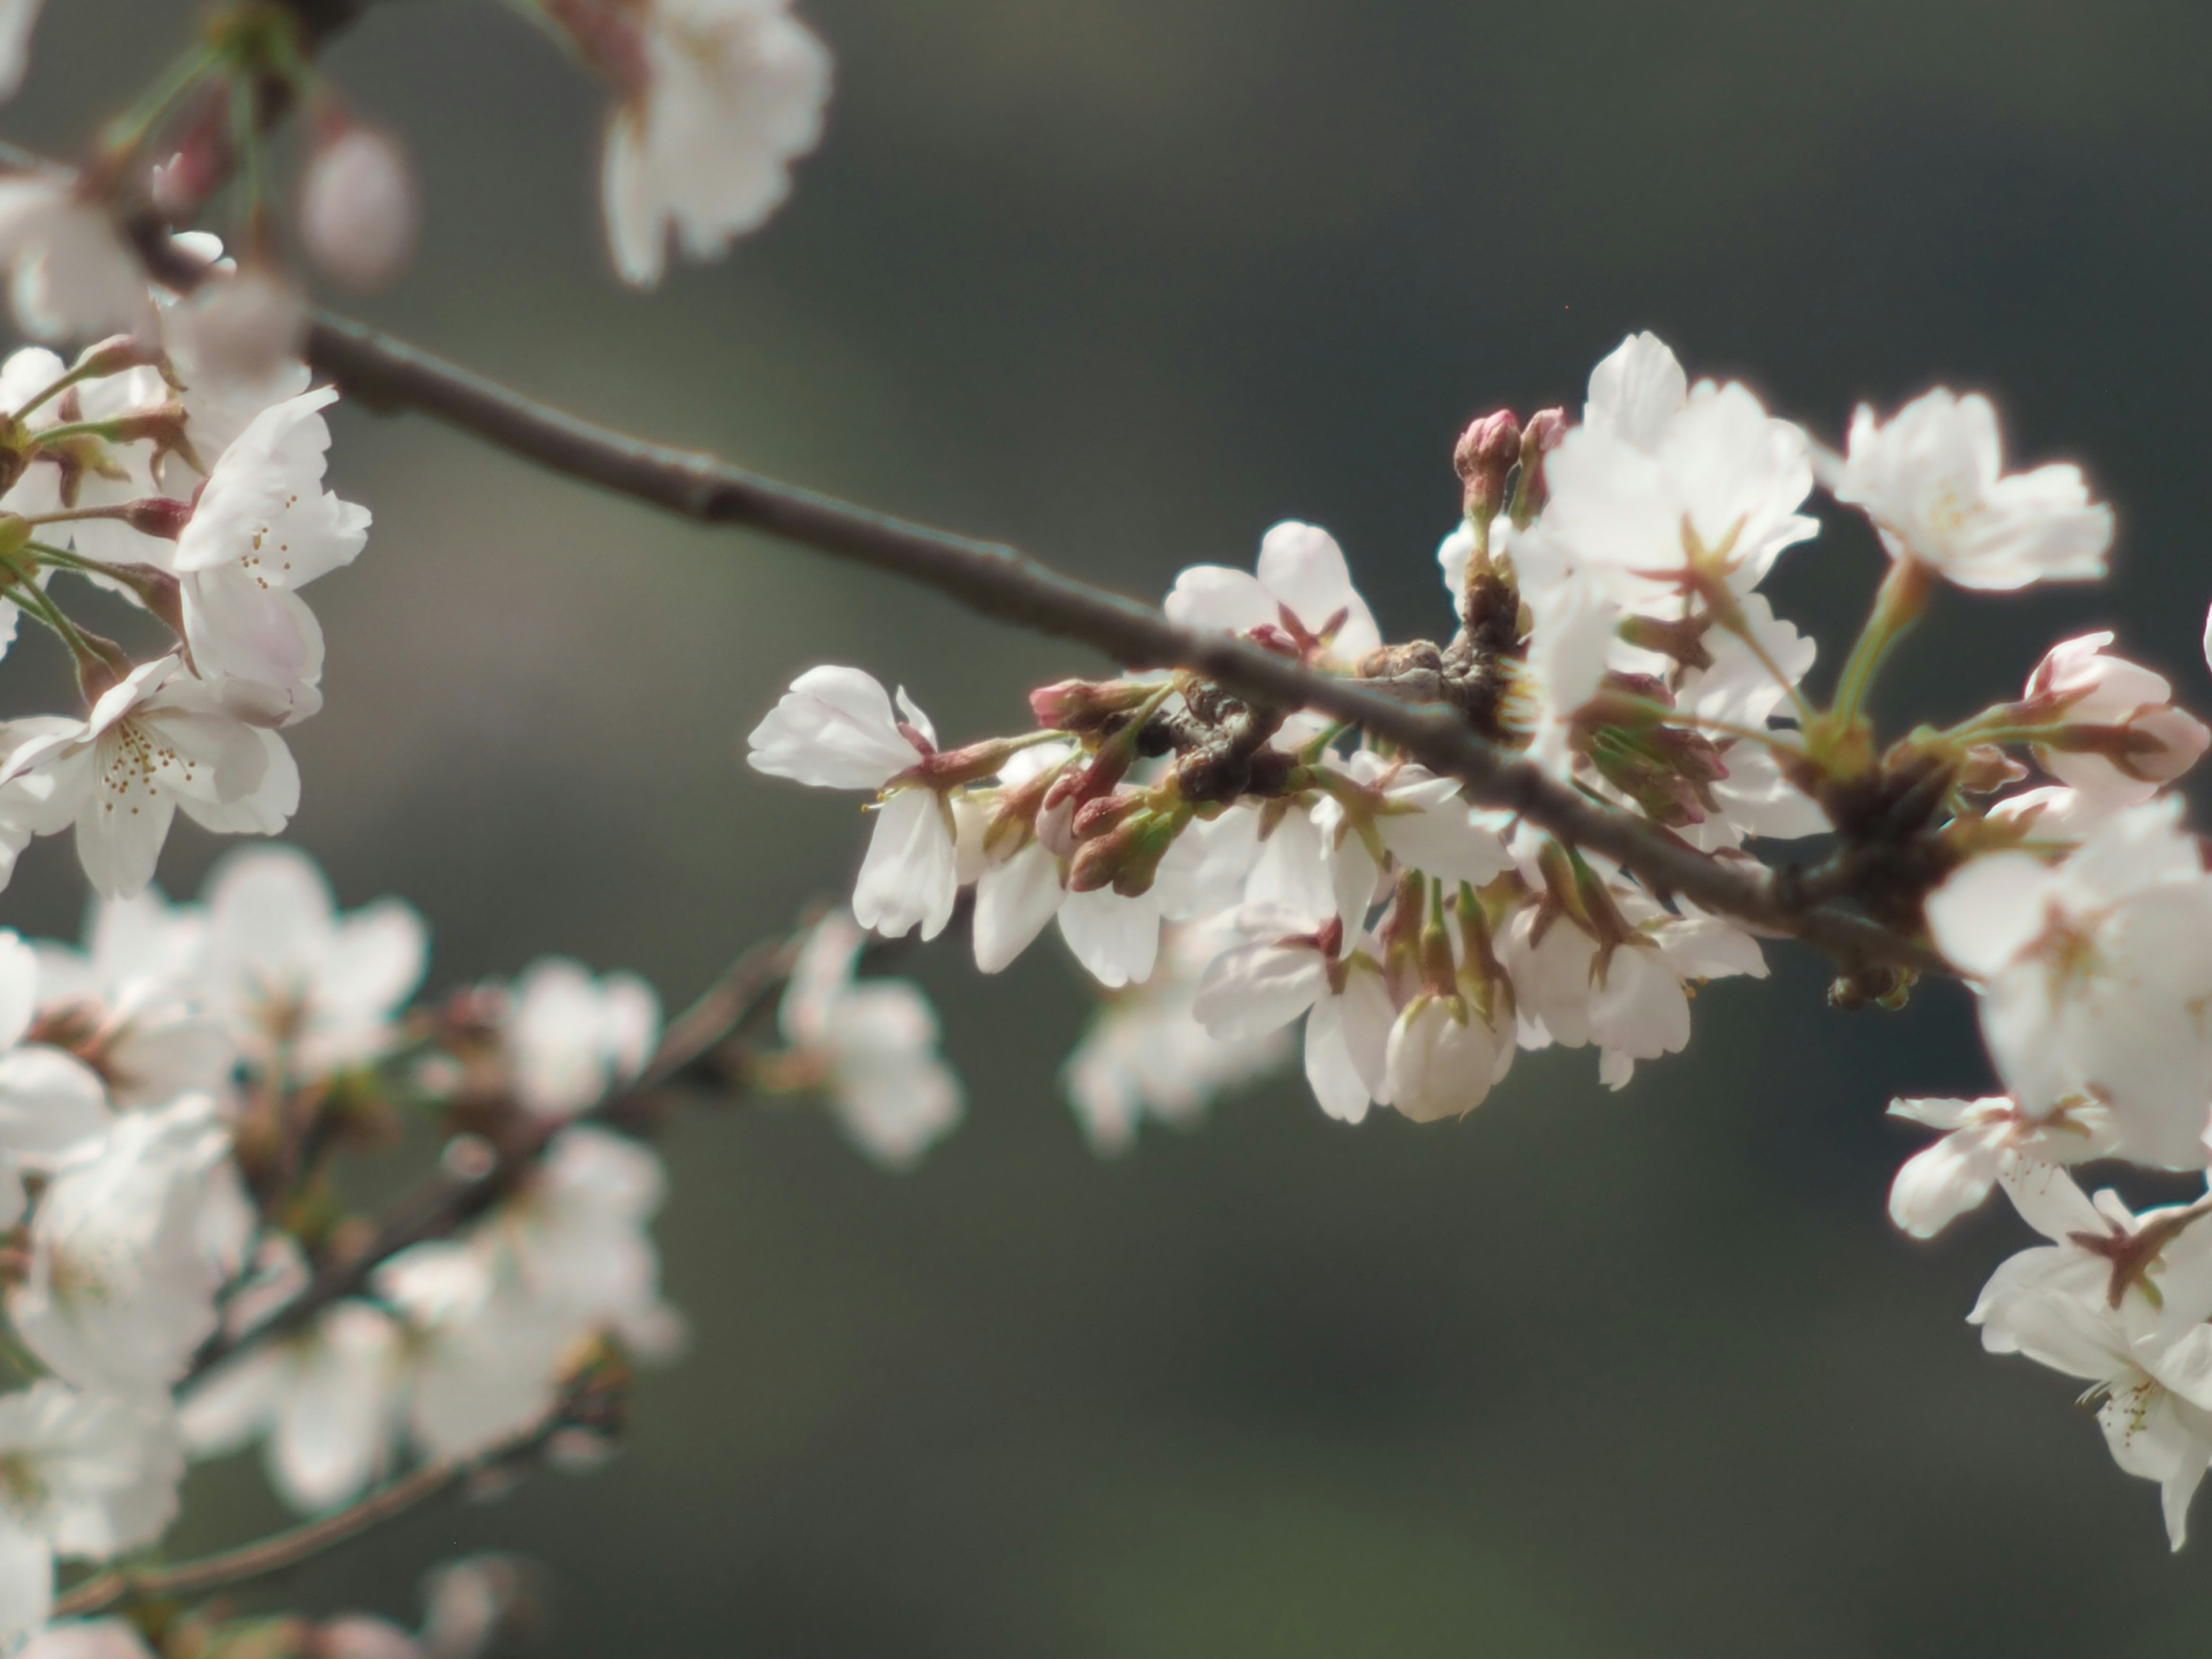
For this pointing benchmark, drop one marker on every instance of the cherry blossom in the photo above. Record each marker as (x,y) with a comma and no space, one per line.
(480,1351)
(869,1047)
(1299,597)
(157,741)
(324,1398)
(571,1038)
(1652,506)
(1148,1056)
(2119,735)
(836,729)
(2093,973)
(576,1234)
(88,1477)
(291,975)
(1290,964)
(72,276)
(2118,1300)
(122,1282)
(1985,1141)
(358,212)
(1933,480)
(717,97)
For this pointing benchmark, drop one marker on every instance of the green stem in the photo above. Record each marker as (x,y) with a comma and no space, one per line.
(1663,714)
(128,130)
(1903,596)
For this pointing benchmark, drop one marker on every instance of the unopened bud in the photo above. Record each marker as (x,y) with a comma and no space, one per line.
(358,217)
(1488,450)
(164,423)
(1095,818)
(1987,768)
(1087,705)
(115,356)
(1546,431)
(163,516)
(162,594)
(1127,856)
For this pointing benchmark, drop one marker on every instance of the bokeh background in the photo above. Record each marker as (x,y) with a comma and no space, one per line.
(1126,282)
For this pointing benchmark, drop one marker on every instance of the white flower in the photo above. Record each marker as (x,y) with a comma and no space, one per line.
(157,741)
(572,1038)
(834,729)
(1933,481)
(2118,1300)
(1425,823)
(122,1282)
(1301,597)
(51,1103)
(357,208)
(81,1475)
(576,1231)
(1147,1055)
(718,97)
(2094,974)
(1643,503)
(17,18)
(1635,391)
(869,1047)
(1290,964)
(242,325)
(1444,1056)
(131,1005)
(481,1350)
(74,276)
(2121,738)
(325,1397)
(296,978)
(1631,999)
(263,527)
(1985,1140)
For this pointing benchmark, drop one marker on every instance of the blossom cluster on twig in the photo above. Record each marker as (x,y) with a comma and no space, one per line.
(1243,864)
(1605,784)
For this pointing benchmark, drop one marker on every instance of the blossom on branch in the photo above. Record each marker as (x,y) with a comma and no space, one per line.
(1932,478)
(715,99)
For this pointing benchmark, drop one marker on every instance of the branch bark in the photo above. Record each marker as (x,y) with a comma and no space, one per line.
(390,376)
(281,1552)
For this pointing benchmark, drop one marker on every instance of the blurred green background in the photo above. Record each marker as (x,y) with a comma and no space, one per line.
(1583,1375)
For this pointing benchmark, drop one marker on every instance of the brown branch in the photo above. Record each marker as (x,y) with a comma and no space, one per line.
(267,1557)
(390,376)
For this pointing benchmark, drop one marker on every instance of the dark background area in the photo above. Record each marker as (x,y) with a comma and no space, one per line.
(1126,282)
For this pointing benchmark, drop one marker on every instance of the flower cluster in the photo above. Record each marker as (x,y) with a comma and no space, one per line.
(183,1277)
(1223,867)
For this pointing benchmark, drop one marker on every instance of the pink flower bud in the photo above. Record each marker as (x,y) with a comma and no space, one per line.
(1086,705)
(1546,431)
(358,212)
(158,515)
(1488,450)
(2117,734)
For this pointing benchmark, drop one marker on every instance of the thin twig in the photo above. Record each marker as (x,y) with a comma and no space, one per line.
(279,1553)
(390,375)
